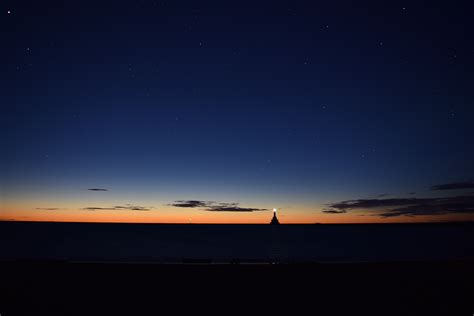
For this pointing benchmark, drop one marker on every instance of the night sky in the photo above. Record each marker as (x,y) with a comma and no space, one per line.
(220,111)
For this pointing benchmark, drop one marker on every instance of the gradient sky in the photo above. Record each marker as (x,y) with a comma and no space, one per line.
(219,111)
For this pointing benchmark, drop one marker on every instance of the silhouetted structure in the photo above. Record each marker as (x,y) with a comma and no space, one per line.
(274,220)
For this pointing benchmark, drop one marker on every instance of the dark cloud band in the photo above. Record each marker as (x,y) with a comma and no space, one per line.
(127,207)
(406,207)
(191,204)
(334,211)
(212,206)
(453,186)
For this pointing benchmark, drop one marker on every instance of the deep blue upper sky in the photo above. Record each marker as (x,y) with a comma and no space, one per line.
(284,99)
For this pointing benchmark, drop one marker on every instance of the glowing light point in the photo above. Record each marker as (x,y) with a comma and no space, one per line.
(274,220)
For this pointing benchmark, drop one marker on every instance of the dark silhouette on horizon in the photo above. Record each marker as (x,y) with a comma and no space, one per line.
(274,220)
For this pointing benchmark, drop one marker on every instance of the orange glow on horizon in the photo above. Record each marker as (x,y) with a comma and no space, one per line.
(203,217)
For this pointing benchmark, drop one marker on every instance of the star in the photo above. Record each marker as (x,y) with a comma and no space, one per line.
(9,12)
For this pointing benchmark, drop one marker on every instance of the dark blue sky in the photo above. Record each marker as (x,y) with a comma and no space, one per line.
(292,104)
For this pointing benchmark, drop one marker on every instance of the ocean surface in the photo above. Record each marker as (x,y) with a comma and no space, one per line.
(195,243)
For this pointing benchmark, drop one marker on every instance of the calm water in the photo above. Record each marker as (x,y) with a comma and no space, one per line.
(246,243)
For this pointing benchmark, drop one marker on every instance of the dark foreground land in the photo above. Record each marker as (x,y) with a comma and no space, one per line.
(416,288)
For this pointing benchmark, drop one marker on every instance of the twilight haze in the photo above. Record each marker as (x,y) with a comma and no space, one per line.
(221,111)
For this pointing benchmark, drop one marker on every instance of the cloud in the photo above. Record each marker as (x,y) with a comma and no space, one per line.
(191,204)
(453,186)
(93,208)
(212,206)
(133,208)
(233,207)
(334,211)
(47,208)
(436,206)
(373,203)
(406,207)
(382,195)
(98,190)
(126,207)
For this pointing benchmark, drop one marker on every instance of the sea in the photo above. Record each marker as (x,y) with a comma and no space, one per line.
(239,244)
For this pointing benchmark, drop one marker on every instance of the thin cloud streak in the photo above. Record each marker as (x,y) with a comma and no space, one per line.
(127,207)
(212,206)
(406,207)
(453,186)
